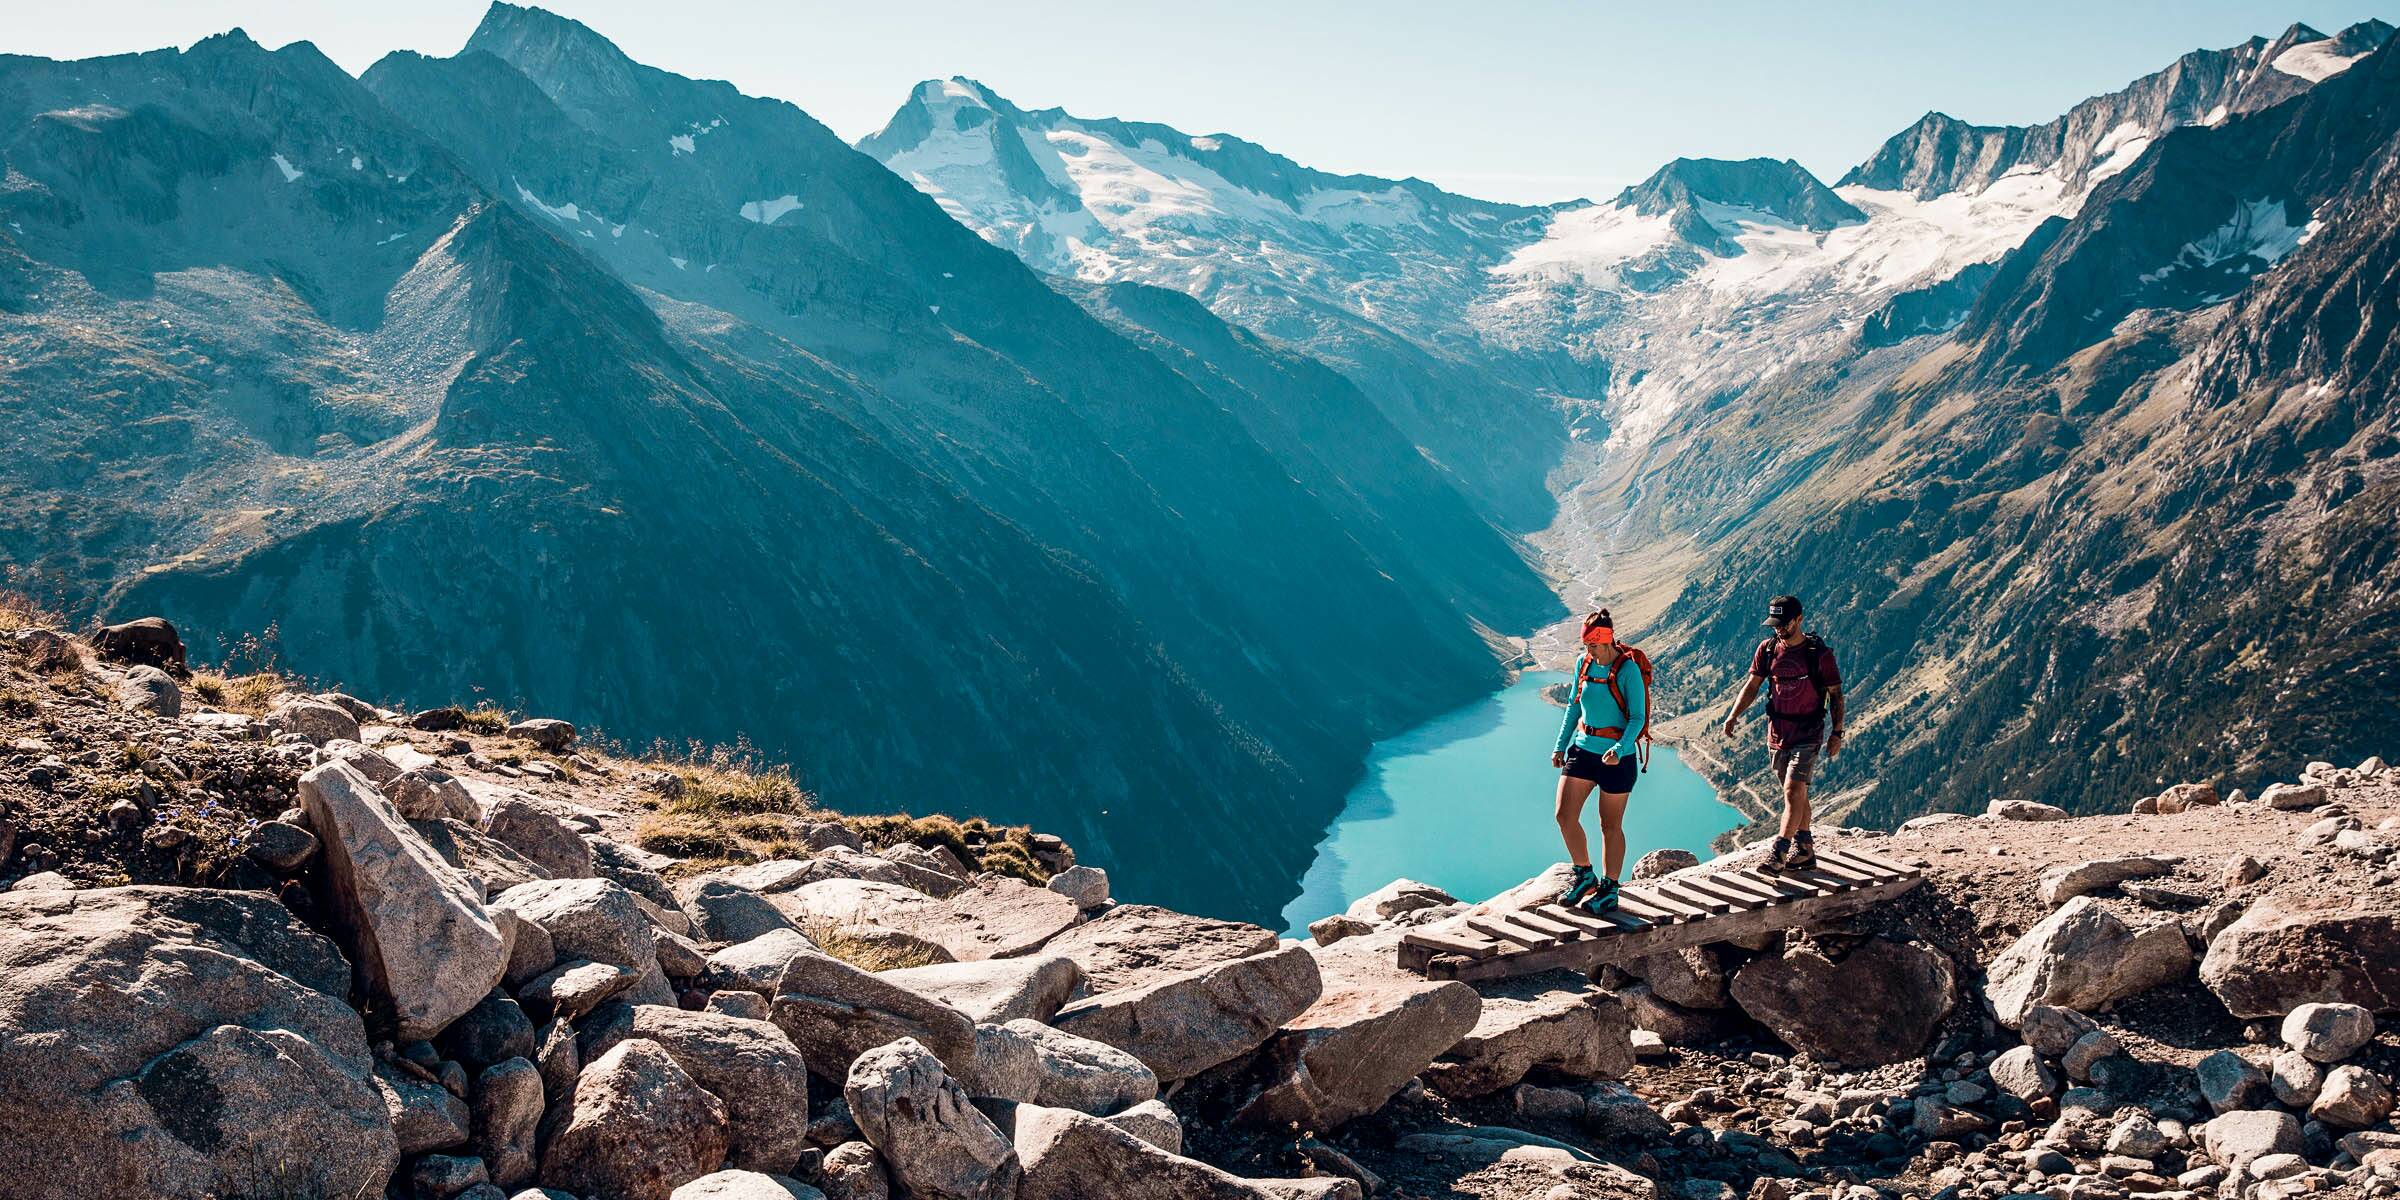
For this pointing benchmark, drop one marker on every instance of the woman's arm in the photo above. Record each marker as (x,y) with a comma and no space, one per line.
(1637,707)
(1566,726)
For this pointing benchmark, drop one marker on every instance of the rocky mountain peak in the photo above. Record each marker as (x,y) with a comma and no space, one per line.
(1701,195)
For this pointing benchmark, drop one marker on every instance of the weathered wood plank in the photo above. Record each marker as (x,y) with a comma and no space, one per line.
(1755,893)
(1591,924)
(1631,943)
(1848,870)
(1490,925)
(1638,904)
(1449,943)
(1784,886)
(1675,890)
(1546,923)
(1874,859)
(1734,897)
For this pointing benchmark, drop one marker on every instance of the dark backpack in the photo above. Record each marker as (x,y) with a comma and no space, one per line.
(1812,650)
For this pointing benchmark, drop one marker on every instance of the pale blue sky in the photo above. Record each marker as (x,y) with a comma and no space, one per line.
(1532,101)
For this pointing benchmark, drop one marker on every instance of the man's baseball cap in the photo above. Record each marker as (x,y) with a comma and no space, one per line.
(1782,608)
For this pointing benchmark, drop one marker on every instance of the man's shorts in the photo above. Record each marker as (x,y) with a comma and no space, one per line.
(1796,764)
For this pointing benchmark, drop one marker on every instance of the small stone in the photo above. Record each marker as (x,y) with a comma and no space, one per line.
(2295,1079)
(545,732)
(1086,886)
(2328,1033)
(2352,1098)
(2229,1082)
(2241,869)
(1325,931)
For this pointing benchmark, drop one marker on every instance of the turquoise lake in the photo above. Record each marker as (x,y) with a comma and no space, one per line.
(1463,802)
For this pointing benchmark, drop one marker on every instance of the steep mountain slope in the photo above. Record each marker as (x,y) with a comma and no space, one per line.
(1370,274)
(2130,521)
(275,357)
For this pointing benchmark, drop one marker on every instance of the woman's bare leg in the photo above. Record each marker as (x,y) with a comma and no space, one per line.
(1612,832)
(1572,792)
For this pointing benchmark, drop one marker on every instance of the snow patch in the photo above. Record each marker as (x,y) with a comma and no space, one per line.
(563,212)
(2118,150)
(357,163)
(682,143)
(2258,229)
(1207,144)
(291,173)
(679,262)
(767,212)
(2315,62)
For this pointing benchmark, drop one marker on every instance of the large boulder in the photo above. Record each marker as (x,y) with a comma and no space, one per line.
(2083,956)
(2235,1138)
(1396,898)
(2063,883)
(1877,1004)
(1082,1074)
(1134,944)
(1073,1156)
(993,917)
(2328,1033)
(854,1171)
(844,903)
(433,794)
(597,920)
(735,1184)
(525,826)
(415,927)
(2317,945)
(637,1125)
(839,862)
(150,690)
(1694,976)
(1676,1025)
(144,641)
(315,720)
(425,1115)
(1557,1020)
(750,1065)
(492,867)
(724,911)
(171,1041)
(1188,1022)
(936,1144)
(508,1111)
(997,990)
(835,1012)
(757,965)
(1372,1028)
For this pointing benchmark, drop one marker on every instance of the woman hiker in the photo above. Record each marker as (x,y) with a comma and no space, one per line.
(1608,710)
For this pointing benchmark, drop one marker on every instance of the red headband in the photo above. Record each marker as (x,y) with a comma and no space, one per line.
(1599,635)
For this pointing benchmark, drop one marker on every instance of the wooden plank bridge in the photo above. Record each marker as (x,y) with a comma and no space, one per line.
(1693,907)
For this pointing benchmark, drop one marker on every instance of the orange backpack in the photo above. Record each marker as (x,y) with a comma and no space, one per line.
(1584,675)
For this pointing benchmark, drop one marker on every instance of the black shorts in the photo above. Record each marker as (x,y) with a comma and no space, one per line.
(1586,764)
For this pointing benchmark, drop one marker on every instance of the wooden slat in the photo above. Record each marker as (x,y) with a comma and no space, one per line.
(1701,900)
(1683,910)
(1849,863)
(1756,893)
(1516,920)
(1827,880)
(1873,859)
(1639,904)
(1545,923)
(1738,899)
(1449,943)
(1788,888)
(1592,924)
(1492,926)
(1862,876)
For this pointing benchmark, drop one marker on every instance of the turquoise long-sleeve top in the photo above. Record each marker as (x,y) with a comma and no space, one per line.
(1603,707)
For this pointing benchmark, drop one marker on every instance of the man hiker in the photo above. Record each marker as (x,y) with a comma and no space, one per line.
(1804,687)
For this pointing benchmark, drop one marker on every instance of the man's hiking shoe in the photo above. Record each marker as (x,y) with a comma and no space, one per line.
(1602,899)
(1802,857)
(1582,883)
(1776,855)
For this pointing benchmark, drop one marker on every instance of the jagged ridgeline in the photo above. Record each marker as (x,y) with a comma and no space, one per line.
(621,395)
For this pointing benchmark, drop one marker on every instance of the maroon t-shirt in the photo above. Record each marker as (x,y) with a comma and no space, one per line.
(1792,690)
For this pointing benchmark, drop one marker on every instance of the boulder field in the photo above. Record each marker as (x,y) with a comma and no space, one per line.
(360,957)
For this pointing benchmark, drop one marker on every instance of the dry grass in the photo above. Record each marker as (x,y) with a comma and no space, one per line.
(486,718)
(1004,849)
(866,949)
(251,695)
(20,611)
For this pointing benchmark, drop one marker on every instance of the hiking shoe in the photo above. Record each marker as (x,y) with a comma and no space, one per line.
(1603,897)
(1580,884)
(1803,855)
(1776,854)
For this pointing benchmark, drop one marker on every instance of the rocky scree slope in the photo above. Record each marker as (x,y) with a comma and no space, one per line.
(438,974)
(287,350)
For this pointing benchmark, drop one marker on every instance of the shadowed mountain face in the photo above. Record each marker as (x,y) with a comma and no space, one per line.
(2130,522)
(627,398)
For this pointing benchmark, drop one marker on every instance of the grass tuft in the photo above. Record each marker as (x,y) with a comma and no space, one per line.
(487,718)
(868,950)
(251,695)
